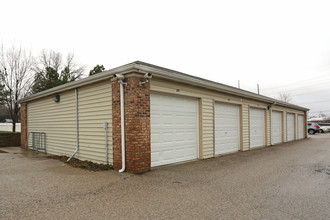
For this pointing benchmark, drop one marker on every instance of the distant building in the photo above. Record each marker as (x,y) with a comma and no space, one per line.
(319,119)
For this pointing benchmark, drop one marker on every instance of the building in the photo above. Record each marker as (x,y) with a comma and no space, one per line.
(172,117)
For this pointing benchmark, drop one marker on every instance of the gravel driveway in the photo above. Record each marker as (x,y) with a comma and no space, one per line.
(288,181)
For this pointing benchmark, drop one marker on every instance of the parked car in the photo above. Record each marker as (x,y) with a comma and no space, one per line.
(324,127)
(313,128)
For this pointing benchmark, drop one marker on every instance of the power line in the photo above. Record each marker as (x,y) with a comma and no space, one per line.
(320,111)
(306,103)
(309,93)
(299,86)
(314,78)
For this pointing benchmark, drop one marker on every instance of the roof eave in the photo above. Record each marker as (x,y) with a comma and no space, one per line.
(129,68)
(164,73)
(192,80)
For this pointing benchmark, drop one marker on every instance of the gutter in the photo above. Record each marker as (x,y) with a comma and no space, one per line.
(126,69)
(163,73)
(208,84)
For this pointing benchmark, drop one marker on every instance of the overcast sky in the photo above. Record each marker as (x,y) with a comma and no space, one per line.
(284,46)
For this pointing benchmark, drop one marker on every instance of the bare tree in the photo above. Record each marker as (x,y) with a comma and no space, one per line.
(72,70)
(15,78)
(322,115)
(285,97)
(51,71)
(48,58)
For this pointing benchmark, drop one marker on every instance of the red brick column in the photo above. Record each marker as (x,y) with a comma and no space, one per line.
(116,127)
(23,124)
(137,125)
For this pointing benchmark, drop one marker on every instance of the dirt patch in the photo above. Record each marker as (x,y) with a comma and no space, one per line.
(88,165)
(1,151)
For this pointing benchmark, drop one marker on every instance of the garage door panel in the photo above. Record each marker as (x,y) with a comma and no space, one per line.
(174,129)
(163,136)
(276,126)
(301,126)
(171,155)
(227,128)
(257,127)
(290,126)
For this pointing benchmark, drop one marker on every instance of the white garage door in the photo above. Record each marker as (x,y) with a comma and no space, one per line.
(174,129)
(300,126)
(290,126)
(227,128)
(257,127)
(276,127)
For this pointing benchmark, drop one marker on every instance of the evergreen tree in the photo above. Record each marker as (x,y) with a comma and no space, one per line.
(97,69)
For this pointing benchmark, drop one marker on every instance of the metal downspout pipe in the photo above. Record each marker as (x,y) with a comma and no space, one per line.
(122,125)
(77,127)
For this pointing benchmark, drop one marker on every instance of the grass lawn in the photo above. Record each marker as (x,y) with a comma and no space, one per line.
(8,132)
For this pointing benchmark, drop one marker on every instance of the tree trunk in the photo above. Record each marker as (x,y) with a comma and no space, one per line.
(14,126)
(15,116)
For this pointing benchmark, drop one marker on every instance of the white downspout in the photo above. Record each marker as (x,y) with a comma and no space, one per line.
(122,125)
(77,127)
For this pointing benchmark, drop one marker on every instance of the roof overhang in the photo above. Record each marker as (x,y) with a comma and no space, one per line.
(160,72)
(129,68)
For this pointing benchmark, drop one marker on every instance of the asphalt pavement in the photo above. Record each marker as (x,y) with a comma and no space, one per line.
(286,181)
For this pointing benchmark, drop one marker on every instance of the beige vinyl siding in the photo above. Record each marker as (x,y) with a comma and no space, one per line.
(296,126)
(95,107)
(57,120)
(284,127)
(245,127)
(207,120)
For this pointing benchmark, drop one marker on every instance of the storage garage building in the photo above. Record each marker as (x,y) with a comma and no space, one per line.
(173,117)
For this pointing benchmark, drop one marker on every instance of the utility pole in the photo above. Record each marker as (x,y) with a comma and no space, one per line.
(239,86)
(258,89)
